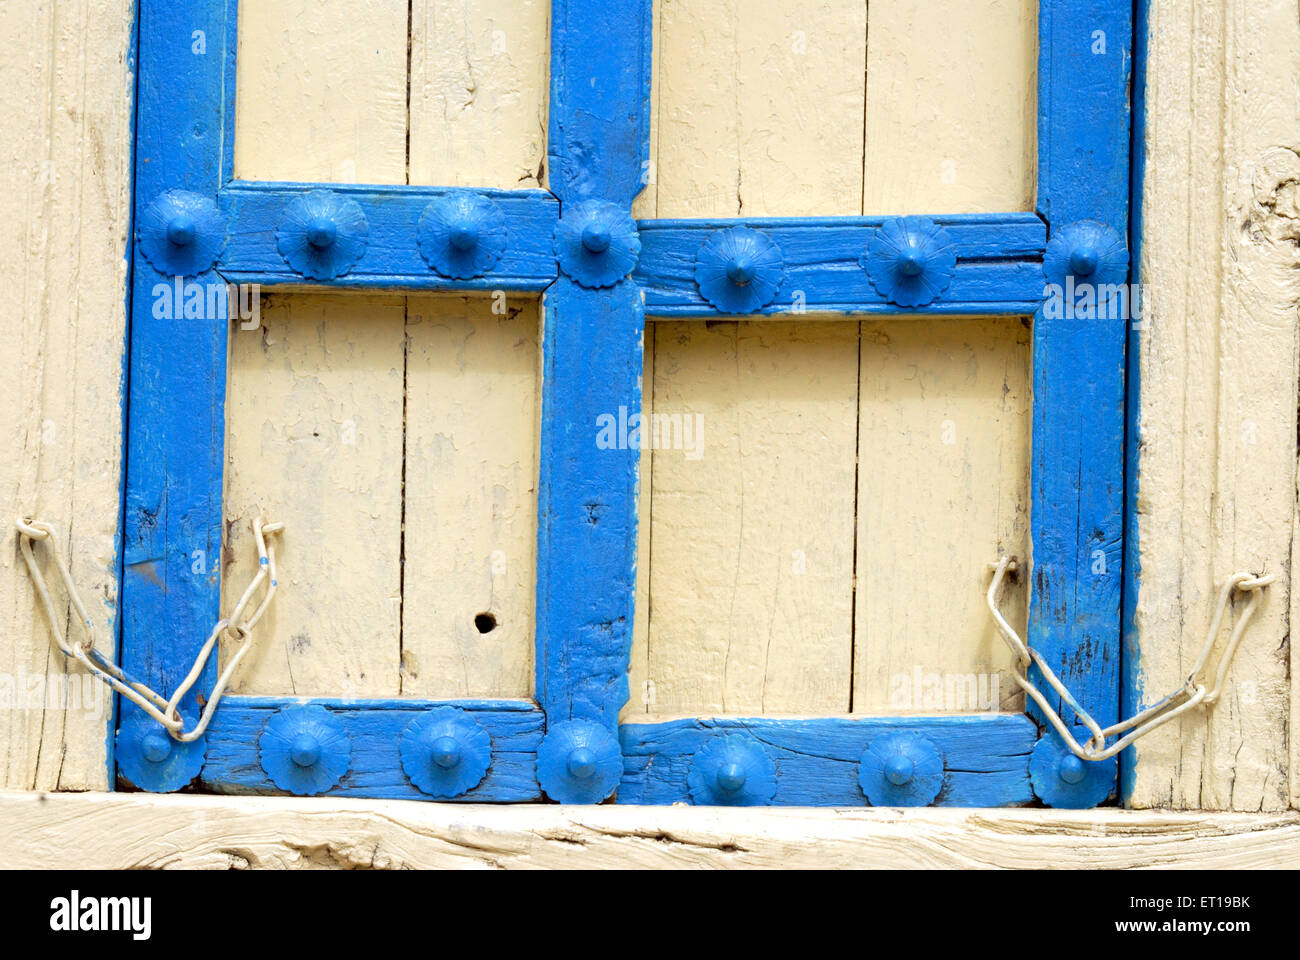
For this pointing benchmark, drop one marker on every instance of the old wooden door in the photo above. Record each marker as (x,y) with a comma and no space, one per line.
(644,393)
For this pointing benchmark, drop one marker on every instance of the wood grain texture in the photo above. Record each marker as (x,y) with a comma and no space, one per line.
(985,757)
(999,269)
(66,98)
(950,106)
(479,92)
(471,497)
(314,440)
(118,831)
(322,90)
(752,517)
(757,109)
(1218,342)
(943,491)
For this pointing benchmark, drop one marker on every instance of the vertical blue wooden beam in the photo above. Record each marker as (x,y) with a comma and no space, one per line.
(177,366)
(592,357)
(1078,455)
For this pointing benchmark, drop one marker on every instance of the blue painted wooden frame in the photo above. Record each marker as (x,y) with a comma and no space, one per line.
(568,745)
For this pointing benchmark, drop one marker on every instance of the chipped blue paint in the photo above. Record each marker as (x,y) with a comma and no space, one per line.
(986,757)
(456,238)
(375,729)
(1131,693)
(393,257)
(998,268)
(177,369)
(1078,419)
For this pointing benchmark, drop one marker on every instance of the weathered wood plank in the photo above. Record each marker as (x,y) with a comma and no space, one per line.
(943,490)
(758,109)
(986,757)
(950,106)
(314,440)
(118,831)
(375,733)
(478,92)
(66,97)
(998,268)
(1218,340)
(392,258)
(321,92)
(752,517)
(471,497)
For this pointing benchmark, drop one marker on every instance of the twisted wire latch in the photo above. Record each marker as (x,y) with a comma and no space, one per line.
(163,710)
(1192,694)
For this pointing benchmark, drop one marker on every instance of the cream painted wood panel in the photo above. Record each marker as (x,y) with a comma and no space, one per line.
(65,96)
(943,489)
(471,497)
(757,108)
(314,439)
(479,92)
(951,105)
(642,692)
(321,91)
(751,527)
(1218,345)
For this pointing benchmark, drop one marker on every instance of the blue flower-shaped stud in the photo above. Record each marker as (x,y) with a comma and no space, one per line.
(739,270)
(445,752)
(322,235)
(1089,251)
(579,762)
(181,233)
(910,260)
(304,750)
(731,770)
(462,235)
(1061,779)
(152,760)
(901,770)
(596,243)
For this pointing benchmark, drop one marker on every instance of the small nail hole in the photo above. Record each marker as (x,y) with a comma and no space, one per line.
(485,622)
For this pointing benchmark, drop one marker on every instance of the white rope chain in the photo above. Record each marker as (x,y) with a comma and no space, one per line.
(1192,694)
(84,652)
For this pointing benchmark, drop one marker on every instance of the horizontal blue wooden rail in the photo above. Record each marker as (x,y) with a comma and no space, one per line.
(985,757)
(998,271)
(374,729)
(392,258)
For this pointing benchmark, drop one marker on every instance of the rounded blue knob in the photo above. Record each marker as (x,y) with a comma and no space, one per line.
(1071,769)
(305,750)
(740,270)
(446,752)
(322,232)
(1083,263)
(912,262)
(582,764)
(730,777)
(464,238)
(595,238)
(180,230)
(157,746)
(899,769)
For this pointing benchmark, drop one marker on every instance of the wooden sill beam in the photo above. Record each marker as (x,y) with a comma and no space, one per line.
(116,830)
